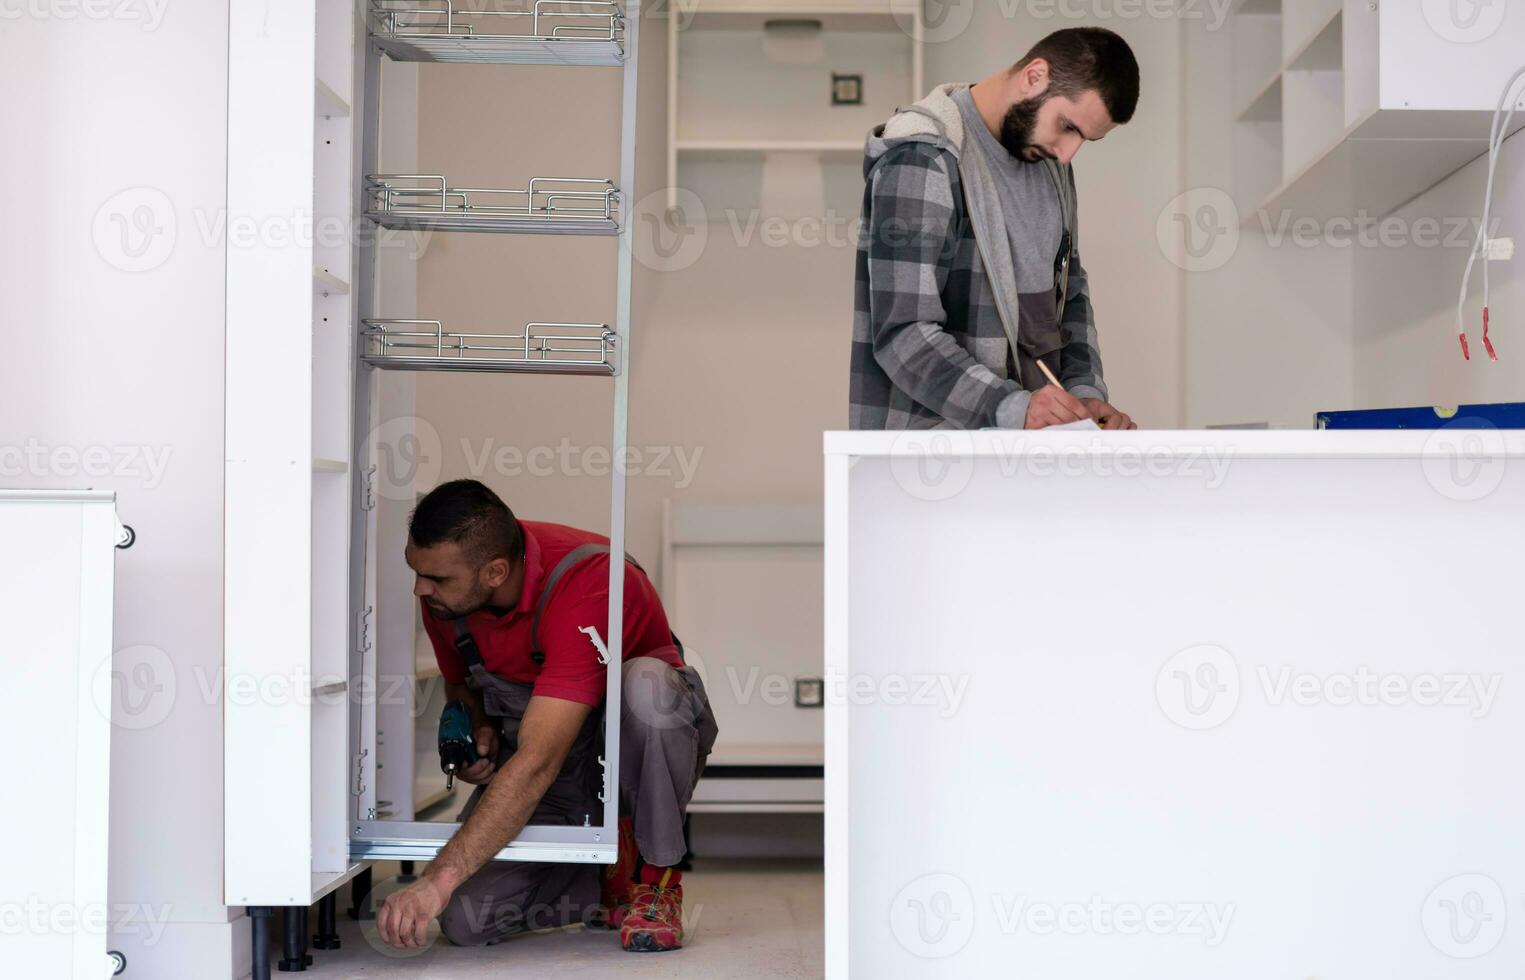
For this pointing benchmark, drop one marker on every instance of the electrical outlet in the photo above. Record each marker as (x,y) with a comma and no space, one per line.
(846,89)
(809,692)
(1500,249)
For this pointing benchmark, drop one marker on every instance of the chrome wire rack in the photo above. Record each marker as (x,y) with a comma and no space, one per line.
(544,348)
(549,32)
(549,205)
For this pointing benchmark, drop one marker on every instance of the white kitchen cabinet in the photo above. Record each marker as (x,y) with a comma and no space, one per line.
(309,691)
(57,690)
(1335,117)
(1184,704)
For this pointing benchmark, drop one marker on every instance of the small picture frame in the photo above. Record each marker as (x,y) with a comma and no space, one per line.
(846,89)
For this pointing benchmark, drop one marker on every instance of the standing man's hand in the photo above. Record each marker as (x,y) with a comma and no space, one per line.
(404,917)
(1052,405)
(1106,416)
(480,771)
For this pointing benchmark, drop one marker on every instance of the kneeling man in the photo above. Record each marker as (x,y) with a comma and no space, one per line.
(508,605)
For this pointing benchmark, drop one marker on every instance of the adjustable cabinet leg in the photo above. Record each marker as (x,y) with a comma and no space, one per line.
(359,895)
(295,959)
(327,936)
(407,871)
(259,928)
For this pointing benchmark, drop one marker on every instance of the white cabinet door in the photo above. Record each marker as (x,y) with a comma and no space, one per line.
(56,695)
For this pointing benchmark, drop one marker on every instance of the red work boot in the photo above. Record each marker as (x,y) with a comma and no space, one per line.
(654,922)
(618,880)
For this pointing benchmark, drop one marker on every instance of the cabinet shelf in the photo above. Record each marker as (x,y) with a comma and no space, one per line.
(1381,162)
(1265,104)
(328,103)
(552,32)
(749,147)
(547,206)
(1324,50)
(325,283)
(540,348)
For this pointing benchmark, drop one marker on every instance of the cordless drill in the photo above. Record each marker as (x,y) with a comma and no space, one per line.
(457,747)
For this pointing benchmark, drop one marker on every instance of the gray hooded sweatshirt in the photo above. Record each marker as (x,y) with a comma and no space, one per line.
(939,338)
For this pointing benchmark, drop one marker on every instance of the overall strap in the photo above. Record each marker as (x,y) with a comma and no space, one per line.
(466,646)
(568,560)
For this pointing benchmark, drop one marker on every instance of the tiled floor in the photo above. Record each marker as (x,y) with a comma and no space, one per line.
(744,919)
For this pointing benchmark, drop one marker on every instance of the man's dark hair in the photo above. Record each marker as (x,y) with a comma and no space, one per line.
(1084,58)
(469,514)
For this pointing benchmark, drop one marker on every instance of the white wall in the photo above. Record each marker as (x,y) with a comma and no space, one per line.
(1268,336)
(1406,352)
(116,139)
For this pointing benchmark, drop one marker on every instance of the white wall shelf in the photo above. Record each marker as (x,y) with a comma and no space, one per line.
(1332,120)
(329,103)
(748,147)
(325,283)
(1265,103)
(1371,168)
(754,79)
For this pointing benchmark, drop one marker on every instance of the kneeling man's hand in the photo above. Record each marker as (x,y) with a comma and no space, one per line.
(404,917)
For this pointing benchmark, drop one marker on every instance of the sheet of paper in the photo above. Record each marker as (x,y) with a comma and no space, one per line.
(1082,424)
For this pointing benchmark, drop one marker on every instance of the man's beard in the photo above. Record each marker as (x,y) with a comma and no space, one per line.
(1017,129)
(475,602)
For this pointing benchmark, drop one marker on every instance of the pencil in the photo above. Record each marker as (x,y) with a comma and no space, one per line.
(1050,376)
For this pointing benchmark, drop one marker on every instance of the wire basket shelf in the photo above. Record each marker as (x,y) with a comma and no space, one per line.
(547,206)
(543,348)
(549,32)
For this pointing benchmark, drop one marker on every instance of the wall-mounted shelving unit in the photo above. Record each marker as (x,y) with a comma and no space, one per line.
(1331,119)
(739,72)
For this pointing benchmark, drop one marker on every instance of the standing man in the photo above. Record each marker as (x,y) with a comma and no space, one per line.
(968,270)
(512,608)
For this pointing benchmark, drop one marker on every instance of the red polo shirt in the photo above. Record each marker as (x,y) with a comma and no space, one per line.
(580,598)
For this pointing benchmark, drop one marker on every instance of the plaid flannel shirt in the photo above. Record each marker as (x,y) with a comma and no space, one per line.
(928,344)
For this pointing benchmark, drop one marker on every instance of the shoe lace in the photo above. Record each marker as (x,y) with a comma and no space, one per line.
(656,904)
